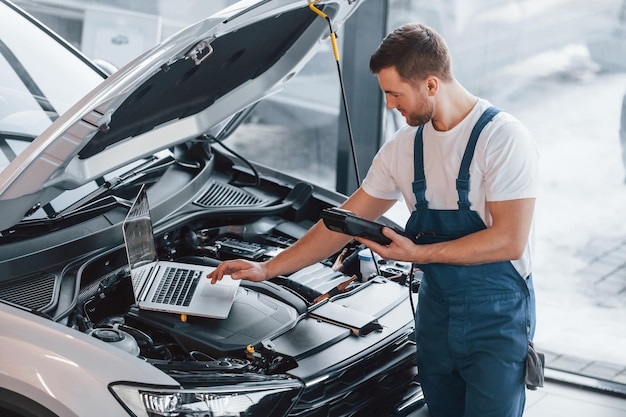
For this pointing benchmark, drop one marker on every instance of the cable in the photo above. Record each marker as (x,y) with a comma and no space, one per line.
(411,277)
(257,178)
(344,100)
(333,40)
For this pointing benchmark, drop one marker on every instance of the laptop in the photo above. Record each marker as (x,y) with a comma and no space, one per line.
(171,287)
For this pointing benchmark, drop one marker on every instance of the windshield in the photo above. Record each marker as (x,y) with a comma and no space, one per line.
(40,79)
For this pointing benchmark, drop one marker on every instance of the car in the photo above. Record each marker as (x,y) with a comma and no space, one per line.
(79,146)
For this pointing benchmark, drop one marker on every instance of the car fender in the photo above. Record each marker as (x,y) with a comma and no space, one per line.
(64,370)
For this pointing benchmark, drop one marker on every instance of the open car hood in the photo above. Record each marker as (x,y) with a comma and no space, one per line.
(190,84)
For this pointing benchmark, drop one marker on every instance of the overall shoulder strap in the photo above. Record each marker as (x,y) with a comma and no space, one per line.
(419,178)
(462,182)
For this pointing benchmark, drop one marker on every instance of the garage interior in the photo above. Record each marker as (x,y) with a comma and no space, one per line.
(558,65)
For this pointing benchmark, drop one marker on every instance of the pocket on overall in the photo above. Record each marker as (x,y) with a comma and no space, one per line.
(495,323)
(424,238)
(436,226)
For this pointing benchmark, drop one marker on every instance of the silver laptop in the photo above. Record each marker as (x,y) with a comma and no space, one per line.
(172,287)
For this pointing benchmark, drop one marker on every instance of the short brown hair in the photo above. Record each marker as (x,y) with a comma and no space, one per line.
(415,51)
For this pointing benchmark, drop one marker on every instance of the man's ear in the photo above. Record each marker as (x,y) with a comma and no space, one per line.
(432,84)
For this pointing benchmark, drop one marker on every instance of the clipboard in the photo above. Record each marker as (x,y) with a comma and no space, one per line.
(360,324)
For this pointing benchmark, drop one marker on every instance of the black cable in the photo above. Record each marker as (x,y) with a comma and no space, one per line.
(345,106)
(344,101)
(257,178)
(411,276)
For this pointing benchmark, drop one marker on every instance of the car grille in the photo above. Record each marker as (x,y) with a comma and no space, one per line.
(371,387)
(224,195)
(35,292)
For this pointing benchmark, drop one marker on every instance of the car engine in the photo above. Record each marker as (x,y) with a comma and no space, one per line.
(261,313)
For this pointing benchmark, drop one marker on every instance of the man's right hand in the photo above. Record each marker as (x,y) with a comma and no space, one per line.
(239,269)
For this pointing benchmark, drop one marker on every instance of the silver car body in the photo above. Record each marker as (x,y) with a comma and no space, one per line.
(61,238)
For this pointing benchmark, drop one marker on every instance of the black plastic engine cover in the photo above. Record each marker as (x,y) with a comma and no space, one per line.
(254,317)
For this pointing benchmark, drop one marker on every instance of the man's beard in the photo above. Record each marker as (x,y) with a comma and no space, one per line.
(417,119)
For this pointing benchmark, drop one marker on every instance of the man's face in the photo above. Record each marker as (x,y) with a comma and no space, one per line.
(409,99)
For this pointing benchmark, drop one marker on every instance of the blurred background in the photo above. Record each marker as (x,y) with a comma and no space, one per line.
(558,65)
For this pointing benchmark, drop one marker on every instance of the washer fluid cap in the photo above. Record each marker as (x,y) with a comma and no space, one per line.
(117,338)
(108,335)
(365,255)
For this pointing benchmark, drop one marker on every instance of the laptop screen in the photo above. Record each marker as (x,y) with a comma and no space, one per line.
(138,234)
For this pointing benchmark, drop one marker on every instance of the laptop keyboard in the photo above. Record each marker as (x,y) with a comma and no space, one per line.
(136,276)
(177,286)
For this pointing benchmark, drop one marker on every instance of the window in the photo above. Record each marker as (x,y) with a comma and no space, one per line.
(558,66)
(295,131)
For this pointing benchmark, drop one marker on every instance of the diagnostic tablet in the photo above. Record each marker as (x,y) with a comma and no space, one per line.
(344,221)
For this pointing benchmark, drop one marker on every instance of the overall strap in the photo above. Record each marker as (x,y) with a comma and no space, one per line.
(463,181)
(419,178)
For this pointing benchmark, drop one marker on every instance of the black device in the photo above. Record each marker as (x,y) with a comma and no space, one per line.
(344,221)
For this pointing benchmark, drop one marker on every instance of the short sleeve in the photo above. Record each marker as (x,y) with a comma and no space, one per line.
(383,177)
(512,163)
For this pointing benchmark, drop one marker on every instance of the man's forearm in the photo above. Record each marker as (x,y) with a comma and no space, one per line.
(505,240)
(478,248)
(316,245)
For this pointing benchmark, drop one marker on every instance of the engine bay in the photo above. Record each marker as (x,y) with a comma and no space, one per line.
(247,340)
(340,330)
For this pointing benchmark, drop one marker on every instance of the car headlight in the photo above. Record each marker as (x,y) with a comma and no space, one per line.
(266,398)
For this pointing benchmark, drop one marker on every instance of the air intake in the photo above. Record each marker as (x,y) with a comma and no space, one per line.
(224,195)
(34,291)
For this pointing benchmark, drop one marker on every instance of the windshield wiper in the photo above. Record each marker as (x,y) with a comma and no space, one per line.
(107,187)
(28,81)
(98,201)
(27,228)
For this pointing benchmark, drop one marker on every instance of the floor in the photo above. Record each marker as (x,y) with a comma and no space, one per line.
(559,400)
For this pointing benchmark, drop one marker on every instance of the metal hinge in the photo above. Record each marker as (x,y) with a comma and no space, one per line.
(198,53)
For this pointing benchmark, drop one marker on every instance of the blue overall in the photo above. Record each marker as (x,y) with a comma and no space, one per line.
(473,323)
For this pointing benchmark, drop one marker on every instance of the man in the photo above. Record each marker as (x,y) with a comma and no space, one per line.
(469,174)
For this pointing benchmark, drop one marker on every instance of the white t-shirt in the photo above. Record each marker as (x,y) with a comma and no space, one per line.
(505,166)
